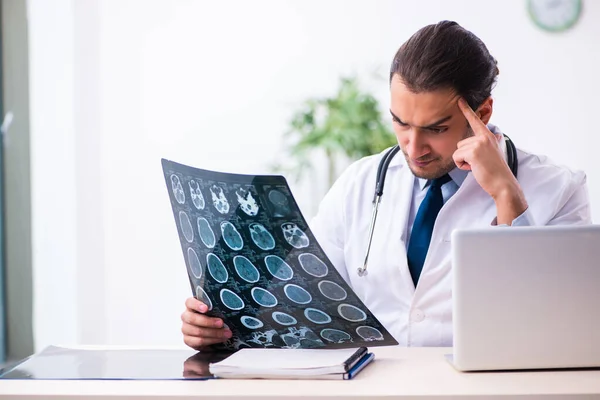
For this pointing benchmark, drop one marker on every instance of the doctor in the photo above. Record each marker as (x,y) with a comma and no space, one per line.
(452,172)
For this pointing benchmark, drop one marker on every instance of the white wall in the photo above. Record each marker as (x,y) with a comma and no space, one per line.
(213,84)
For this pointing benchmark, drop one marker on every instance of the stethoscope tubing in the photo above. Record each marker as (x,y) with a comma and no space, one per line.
(513,164)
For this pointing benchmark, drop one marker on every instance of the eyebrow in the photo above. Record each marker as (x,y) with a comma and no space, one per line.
(436,123)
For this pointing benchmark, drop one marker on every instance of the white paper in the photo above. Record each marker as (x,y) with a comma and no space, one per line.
(282,363)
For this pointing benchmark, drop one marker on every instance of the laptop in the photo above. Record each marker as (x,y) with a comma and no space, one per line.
(526,298)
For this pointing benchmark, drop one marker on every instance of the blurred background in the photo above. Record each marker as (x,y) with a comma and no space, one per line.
(96,92)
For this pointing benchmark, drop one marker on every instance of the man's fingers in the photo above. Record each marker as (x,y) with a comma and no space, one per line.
(196,319)
(470,141)
(196,331)
(459,157)
(194,304)
(476,123)
(199,330)
(198,342)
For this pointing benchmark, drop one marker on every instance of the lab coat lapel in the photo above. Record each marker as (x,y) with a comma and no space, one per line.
(388,279)
(399,213)
(479,214)
(401,207)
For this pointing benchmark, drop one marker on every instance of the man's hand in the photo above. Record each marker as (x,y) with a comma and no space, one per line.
(481,155)
(200,331)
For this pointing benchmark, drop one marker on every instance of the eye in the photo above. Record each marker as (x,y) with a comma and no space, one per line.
(437,130)
(396,120)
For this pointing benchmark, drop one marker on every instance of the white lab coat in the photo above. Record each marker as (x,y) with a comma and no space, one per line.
(423,316)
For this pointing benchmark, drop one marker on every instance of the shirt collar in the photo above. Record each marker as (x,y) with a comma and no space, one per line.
(457,175)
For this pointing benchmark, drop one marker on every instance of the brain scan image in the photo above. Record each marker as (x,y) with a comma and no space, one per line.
(301,338)
(351,313)
(196,194)
(297,294)
(251,322)
(206,233)
(279,268)
(203,297)
(219,200)
(231,300)
(369,333)
(332,291)
(247,202)
(264,339)
(177,188)
(186,226)
(238,343)
(216,268)
(312,265)
(316,316)
(261,237)
(251,257)
(294,236)
(283,318)
(232,237)
(245,269)
(280,205)
(263,297)
(194,263)
(335,336)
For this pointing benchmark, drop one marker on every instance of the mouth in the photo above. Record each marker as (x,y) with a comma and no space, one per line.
(422,163)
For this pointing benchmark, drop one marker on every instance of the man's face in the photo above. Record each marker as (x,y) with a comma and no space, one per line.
(428,127)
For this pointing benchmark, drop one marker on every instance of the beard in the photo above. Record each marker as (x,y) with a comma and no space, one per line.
(439,166)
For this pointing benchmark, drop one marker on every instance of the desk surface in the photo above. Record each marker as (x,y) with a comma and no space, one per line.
(397,372)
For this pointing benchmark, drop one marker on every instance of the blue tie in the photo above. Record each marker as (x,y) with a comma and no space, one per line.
(422,229)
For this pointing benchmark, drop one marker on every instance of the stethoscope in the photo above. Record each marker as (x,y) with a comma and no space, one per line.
(511,159)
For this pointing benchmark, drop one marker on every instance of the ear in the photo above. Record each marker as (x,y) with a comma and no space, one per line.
(484,112)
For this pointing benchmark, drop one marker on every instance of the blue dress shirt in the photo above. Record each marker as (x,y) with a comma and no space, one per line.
(448,190)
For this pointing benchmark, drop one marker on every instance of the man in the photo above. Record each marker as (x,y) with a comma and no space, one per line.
(454,173)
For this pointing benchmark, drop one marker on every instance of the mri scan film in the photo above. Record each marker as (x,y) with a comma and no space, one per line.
(251,257)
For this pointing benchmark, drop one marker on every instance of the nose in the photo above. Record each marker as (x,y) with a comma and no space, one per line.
(414,145)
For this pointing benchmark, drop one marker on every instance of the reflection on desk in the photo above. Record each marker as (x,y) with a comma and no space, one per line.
(396,373)
(197,365)
(123,364)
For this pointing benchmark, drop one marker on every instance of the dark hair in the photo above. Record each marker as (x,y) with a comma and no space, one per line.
(446,55)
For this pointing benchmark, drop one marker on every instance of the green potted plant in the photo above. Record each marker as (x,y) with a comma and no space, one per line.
(349,124)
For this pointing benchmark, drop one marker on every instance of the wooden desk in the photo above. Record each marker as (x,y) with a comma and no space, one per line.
(397,373)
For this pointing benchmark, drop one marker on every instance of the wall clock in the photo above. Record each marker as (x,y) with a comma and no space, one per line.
(554,15)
